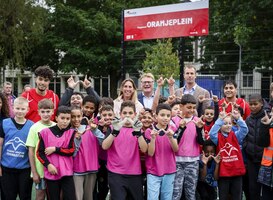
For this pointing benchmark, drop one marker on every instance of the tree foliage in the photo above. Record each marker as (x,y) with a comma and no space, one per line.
(21,27)
(161,60)
(233,23)
(85,37)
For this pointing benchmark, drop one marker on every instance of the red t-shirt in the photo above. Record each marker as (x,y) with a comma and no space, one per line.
(241,102)
(33,98)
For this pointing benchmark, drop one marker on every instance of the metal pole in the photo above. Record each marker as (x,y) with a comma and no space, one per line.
(181,60)
(123,71)
(240,72)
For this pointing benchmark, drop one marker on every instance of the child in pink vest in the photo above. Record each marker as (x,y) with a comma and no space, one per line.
(86,162)
(232,165)
(188,155)
(160,159)
(123,161)
(55,150)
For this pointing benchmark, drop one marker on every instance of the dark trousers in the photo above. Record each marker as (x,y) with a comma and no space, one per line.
(16,182)
(230,185)
(266,192)
(2,196)
(125,187)
(205,191)
(65,184)
(254,186)
(102,178)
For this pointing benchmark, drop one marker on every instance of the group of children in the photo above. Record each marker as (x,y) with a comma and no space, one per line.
(180,151)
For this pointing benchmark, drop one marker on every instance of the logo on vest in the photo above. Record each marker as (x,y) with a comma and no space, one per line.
(229,153)
(16,143)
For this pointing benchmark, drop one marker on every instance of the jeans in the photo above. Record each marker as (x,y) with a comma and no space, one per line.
(160,185)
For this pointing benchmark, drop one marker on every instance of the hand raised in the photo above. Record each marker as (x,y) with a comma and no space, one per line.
(71,82)
(217,158)
(86,83)
(266,120)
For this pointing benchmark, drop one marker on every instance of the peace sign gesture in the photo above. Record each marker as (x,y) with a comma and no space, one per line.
(266,120)
(91,122)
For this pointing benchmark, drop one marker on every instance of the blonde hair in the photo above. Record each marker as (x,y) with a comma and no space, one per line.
(134,95)
(147,75)
(21,100)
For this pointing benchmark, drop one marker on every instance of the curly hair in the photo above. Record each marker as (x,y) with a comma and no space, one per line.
(5,107)
(44,71)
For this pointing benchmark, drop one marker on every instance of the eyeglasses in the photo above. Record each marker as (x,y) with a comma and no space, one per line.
(146,82)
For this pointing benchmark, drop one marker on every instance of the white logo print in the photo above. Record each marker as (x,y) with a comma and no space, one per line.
(228,148)
(16,143)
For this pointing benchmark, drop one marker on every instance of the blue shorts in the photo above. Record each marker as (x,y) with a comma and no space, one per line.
(41,185)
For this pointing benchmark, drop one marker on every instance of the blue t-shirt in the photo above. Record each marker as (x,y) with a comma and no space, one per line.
(210,173)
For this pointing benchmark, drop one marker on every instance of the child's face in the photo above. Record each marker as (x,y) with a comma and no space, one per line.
(76,100)
(107,116)
(226,127)
(230,91)
(163,117)
(76,118)
(147,120)
(127,112)
(208,115)
(20,109)
(63,120)
(88,109)
(209,151)
(176,110)
(255,105)
(45,114)
(188,109)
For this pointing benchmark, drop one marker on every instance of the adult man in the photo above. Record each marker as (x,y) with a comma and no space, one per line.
(146,97)
(192,88)
(7,90)
(43,76)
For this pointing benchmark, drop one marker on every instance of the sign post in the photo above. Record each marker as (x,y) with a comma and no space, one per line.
(167,21)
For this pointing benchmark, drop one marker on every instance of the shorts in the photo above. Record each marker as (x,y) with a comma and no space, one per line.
(41,185)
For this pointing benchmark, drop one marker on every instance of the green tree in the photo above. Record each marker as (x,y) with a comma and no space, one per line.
(21,27)
(85,37)
(161,60)
(233,23)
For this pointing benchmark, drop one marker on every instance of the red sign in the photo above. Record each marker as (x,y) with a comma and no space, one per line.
(175,20)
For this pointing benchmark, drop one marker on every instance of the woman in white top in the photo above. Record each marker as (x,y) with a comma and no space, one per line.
(128,91)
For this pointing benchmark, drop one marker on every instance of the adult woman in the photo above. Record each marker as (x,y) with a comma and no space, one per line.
(128,91)
(4,108)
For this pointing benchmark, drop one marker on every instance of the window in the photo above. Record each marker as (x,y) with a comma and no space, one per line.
(248,80)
